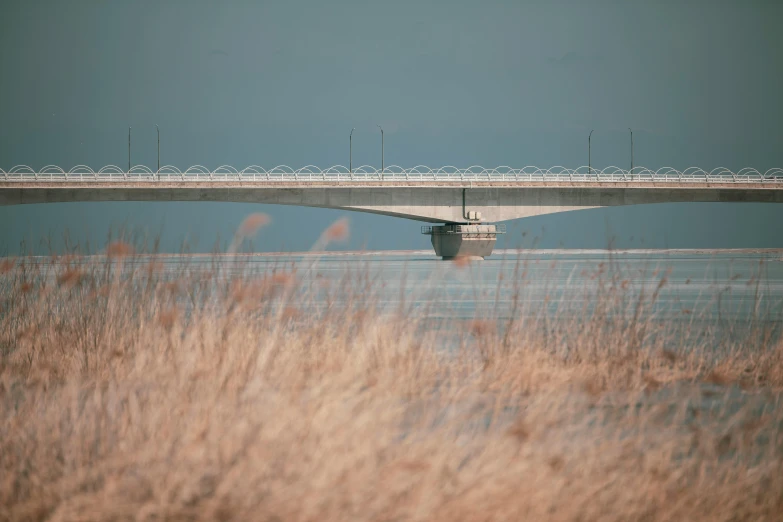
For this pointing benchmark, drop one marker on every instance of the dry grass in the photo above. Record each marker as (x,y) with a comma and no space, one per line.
(127,395)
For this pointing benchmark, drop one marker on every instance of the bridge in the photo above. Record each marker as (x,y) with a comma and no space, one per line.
(466,203)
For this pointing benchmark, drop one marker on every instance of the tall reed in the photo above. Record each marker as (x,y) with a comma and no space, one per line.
(133,390)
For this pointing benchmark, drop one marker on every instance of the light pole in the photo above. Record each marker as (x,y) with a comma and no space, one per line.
(589,154)
(350,151)
(381,150)
(629,130)
(129,163)
(158,171)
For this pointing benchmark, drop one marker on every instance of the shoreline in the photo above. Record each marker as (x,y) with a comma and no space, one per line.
(429,253)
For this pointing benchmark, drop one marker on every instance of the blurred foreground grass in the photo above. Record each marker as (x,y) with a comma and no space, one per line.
(129,393)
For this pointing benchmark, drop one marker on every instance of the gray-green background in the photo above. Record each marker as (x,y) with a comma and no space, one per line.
(452,83)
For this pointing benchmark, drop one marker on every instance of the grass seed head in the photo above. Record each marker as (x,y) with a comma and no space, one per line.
(252,224)
(118,250)
(168,317)
(6,265)
(461,261)
(290,313)
(718,378)
(520,430)
(70,278)
(482,327)
(338,231)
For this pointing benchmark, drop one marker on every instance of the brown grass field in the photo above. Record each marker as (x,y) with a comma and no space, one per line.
(129,393)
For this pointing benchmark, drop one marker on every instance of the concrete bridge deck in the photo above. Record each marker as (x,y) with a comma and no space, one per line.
(442,196)
(428,201)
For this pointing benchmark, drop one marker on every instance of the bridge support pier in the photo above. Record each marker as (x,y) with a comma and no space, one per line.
(472,241)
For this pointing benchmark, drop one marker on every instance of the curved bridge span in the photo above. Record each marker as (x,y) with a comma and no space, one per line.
(466,201)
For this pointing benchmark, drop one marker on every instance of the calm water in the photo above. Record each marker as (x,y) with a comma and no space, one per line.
(726,285)
(716,287)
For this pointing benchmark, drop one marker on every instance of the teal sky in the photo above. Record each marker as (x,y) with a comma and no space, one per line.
(452,83)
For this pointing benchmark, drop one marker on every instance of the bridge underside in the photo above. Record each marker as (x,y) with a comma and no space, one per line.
(432,204)
(453,204)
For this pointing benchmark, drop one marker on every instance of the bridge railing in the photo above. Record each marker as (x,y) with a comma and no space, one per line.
(367,174)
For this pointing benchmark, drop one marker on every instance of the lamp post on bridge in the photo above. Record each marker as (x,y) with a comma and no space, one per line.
(129,161)
(589,154)
(158,171)
(381,150)
(350,151)
(629,130)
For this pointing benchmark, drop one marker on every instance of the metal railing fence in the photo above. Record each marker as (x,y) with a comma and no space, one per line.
(369,174)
